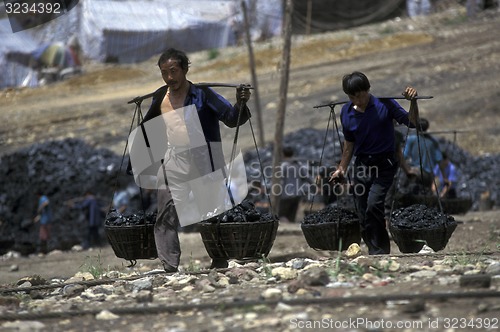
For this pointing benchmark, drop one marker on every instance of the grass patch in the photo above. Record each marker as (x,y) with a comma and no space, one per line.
(93,265)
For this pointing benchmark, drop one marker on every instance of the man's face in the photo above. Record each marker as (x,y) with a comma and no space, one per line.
(360,99)
(173,74)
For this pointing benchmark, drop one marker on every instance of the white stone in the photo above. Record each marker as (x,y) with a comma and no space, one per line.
(423,274)
(272,294)
(106,315)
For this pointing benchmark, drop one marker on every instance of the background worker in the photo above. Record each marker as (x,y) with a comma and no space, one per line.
(408,171)
(43,218)
(295,183)
(422,153)
(94,215)
(446,181)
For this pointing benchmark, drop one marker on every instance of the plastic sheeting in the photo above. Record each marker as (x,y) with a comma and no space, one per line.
(136,30)
(132,31)
(14,51)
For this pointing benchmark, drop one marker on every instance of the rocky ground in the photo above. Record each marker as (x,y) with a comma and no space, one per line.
(296,288)
(293,289)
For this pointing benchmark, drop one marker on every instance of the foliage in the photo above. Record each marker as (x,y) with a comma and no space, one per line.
(93,265)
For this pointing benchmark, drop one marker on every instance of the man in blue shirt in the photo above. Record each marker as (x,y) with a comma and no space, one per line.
(423,154)
(368,129)
(186,105)
(446,177)
(91,205)
(295,183)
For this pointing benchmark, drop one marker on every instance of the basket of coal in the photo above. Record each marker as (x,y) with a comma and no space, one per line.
(413,226)
(131,236)
(240,233)
(331,228)
(455,205)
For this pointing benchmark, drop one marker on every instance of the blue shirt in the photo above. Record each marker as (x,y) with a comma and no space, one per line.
(45,213)
(450,171)
(211,107)
(93,210)
(372,131)
(426,147)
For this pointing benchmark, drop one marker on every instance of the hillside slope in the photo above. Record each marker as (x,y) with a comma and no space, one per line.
(454,59)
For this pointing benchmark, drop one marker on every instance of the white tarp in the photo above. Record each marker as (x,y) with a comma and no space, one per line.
(132,31)
(136,30)
(14,46)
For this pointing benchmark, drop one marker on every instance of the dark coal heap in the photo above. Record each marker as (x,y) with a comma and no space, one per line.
(477,175)
(331,214)
(307,145)
(243,212)
(61,170)
(115,218)
(419,216)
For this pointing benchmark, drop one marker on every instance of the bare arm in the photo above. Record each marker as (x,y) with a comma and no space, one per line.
(410,94)
(446,181)
(338,175)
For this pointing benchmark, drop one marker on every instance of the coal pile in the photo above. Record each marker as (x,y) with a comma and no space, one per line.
(331,214)
(307,144)
(62,170)
(115,218)
(419,216)
(243,212)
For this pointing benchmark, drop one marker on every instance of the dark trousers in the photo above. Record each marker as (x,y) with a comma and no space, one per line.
(289,207)
(373,178)
(93,238)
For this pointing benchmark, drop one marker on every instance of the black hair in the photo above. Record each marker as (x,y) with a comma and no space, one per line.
(423,124)
(175,54)
(287,151)
(355,82)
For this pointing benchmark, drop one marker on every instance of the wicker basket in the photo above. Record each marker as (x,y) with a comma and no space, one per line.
(324,236)
(459,205)
(132,242)
(238,240)
(413,240)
